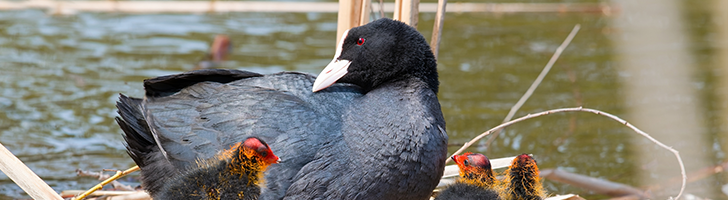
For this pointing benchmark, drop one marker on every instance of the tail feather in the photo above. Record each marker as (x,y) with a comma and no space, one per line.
(139,141)
(141,146)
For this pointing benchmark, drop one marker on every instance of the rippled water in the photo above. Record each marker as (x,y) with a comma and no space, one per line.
(60,77)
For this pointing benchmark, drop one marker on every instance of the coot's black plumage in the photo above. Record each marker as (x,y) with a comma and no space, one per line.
(380,137)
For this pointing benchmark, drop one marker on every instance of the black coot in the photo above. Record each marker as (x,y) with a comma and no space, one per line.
(371,128)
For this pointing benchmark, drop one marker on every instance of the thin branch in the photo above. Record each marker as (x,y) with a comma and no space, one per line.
(580,109)
(101,176)
(118,175)
(538,80)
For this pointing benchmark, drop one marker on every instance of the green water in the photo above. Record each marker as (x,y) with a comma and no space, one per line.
(60,77)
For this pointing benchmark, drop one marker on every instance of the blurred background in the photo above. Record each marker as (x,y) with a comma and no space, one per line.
(661,65)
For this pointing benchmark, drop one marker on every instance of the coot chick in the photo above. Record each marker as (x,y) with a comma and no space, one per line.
(372,130)
(476,179)
(234,173)
(219,49)
(522,179)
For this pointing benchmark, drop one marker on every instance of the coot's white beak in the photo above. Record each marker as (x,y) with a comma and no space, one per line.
(336,69)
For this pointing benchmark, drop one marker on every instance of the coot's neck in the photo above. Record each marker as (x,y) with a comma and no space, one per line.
(417,80)
(427,73)
(419,67)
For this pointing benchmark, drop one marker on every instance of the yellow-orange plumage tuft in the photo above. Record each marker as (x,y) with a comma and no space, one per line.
(522,180)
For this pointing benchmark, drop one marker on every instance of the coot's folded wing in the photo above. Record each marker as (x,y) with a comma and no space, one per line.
(196,114)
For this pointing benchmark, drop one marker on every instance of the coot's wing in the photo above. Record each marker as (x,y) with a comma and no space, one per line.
(194,117)
(202,118)
(141,143)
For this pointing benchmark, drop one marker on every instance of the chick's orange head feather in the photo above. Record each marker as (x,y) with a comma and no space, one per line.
(471,161)
(525,160)
(262,149)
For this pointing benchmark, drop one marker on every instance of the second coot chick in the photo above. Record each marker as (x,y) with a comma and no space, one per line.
(232,174)
(476,182)
(522,179)
(219,51)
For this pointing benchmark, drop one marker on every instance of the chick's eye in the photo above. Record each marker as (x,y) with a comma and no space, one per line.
(263,151)
(360,41)
(466,163)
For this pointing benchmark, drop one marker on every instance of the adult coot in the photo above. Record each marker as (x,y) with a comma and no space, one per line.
(476,180)
(372,130)
(232,174)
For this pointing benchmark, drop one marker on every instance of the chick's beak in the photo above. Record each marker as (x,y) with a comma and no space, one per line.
(274,159)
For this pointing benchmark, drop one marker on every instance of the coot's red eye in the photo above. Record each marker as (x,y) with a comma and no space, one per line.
(360,41)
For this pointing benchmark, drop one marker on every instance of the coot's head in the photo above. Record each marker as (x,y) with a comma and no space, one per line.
(379,52)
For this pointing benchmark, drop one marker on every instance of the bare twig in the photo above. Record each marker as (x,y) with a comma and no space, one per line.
(599,186)
(118,175)
(538,80)
(24,177)
(101,176)
(580,109)
(691,177)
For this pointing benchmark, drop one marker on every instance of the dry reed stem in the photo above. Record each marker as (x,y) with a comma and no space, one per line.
(581,109)
(596,185)
(24,177)
(118,175)
(437,28)
(538,80)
